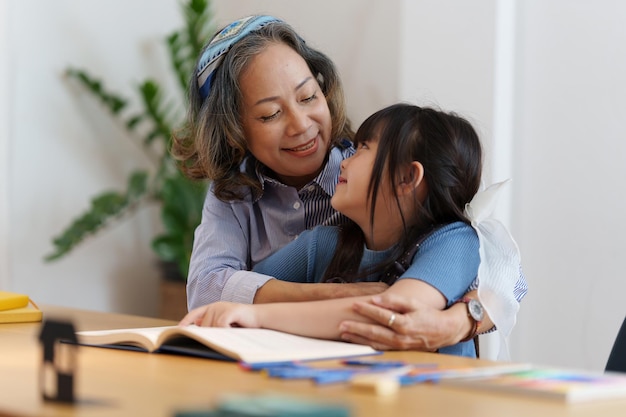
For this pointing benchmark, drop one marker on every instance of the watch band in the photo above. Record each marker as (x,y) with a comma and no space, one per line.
(472,334)
(475,323)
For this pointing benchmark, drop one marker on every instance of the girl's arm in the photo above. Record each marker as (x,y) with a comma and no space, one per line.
(319,319)
(276,291)
(304,261)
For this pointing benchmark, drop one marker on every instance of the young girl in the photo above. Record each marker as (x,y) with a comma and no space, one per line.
(406,187)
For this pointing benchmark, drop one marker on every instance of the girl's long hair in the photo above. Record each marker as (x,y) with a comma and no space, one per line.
(449,149)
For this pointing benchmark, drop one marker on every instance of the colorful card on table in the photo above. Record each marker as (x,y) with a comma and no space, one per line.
(560,384)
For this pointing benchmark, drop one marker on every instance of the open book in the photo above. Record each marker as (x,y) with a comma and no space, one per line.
(231,343)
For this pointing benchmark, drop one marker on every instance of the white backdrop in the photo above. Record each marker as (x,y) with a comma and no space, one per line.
(570,167)
(4,147)
(561,111)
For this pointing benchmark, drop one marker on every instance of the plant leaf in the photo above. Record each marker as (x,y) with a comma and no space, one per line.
(113,102)
(186,44)
(104,208)
(181,199)
(181,213)
(154,110)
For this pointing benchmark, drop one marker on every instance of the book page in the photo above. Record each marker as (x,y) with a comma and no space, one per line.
(243,344)
(147,338)
(264,345)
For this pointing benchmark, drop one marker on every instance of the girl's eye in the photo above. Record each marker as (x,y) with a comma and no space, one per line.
(270,117)
(363,145)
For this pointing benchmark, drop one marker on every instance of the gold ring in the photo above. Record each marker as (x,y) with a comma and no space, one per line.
(391,320)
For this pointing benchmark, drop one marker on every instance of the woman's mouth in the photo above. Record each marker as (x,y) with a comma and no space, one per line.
(305,150)
(304,147)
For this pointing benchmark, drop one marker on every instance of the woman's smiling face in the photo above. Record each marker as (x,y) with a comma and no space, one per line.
(285,116)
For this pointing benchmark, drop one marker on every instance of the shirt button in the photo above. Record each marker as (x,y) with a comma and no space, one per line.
(311,188)
(296,205)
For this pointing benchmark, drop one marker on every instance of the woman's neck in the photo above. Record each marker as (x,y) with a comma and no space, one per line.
(296,182)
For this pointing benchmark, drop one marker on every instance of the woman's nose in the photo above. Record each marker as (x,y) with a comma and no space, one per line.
(299,122)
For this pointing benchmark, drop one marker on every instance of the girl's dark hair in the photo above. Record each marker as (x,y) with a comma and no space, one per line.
(448,148)
(212,144)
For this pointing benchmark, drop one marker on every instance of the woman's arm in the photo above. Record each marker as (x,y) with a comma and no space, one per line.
(449,260)
(218,268)
(229,238)
(429,329)
(417,326)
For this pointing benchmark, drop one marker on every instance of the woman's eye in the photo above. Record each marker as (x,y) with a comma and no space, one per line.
(268,118)
(310,98)
(363,145)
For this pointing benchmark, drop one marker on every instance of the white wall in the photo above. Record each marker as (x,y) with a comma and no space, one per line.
(64,147)
(565,109)
(4,146)
(439,70)
(570,168)
(447,59)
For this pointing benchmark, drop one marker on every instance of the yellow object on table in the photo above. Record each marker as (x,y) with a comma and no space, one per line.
(18,308)
(11,300)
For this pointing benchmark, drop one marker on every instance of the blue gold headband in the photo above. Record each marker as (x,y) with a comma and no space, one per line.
(221,44)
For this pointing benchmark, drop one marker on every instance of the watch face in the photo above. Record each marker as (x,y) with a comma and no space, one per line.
(475,309)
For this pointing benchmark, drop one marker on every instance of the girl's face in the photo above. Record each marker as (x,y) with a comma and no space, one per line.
(351,197)
(285,116)
(351,194)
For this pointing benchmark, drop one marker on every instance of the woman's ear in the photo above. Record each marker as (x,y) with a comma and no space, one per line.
(412,178)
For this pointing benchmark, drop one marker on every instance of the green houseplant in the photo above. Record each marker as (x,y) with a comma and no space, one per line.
(180,199)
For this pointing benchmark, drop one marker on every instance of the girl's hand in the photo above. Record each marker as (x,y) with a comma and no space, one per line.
(222,314)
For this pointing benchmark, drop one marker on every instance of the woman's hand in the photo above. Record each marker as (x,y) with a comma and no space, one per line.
(415,326)
(222,314)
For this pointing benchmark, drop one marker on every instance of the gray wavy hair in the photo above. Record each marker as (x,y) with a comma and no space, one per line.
(212,144)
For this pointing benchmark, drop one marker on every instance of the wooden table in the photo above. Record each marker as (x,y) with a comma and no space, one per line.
(122,383)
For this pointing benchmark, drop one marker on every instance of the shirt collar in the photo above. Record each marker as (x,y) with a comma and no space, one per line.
(326,179)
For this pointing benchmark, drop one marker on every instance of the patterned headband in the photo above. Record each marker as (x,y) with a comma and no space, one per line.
(221,44)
